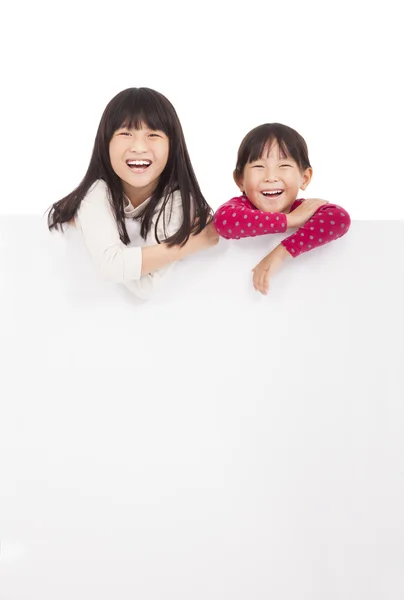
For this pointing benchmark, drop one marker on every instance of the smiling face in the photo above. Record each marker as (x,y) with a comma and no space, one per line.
(138,157)
(272,182)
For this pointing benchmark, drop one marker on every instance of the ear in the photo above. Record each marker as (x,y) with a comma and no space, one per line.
(306,178)
(239,181)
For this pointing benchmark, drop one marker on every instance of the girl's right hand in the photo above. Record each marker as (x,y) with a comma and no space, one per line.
(304,212)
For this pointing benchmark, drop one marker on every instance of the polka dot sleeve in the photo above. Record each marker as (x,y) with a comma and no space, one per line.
(238,218)
(329,223)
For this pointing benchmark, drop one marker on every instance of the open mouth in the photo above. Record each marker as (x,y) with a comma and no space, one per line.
(138,166)
(272,193)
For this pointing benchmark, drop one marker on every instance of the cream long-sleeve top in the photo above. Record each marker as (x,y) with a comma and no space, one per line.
(116,261)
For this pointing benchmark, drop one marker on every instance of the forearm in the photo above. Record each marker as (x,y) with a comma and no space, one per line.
(237,222)
(161,255)
(266,268)
(329,223)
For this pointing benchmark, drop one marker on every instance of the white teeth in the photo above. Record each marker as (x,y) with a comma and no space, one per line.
(138,163)
(272,193)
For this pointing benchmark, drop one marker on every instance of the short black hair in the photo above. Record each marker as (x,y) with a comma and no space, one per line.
(290,144)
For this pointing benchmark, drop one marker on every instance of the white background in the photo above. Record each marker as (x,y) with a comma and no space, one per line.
(330,70)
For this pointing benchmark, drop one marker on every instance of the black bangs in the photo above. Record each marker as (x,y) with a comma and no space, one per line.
(136,106)
(262,144)
(259,140)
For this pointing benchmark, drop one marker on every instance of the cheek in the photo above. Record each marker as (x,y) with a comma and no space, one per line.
(114,161)
(165,155)
(113,152)
(165,151)
(292,181)
(117,164)
(251,180)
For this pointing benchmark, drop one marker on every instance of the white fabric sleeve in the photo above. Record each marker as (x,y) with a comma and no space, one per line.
(96,221)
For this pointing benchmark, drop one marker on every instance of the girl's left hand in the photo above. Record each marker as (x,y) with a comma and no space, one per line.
(267,267)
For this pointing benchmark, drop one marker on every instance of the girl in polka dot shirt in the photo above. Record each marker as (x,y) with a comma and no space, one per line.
(272,165)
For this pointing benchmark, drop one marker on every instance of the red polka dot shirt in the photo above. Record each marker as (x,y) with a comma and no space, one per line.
(238,218)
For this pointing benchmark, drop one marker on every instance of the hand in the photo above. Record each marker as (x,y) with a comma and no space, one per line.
(267,267)
(304,212)
(206,238)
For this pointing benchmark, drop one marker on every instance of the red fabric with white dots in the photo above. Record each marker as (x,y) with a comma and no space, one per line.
(238,218)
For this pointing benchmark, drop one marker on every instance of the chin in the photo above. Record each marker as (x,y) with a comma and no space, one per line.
(272,209)
(140,181)
(265,207)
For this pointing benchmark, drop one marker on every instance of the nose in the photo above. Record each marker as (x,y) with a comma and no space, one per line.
(138,144)
(271,176)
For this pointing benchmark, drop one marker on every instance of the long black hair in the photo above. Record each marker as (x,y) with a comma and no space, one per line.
(131,108)
(290,143)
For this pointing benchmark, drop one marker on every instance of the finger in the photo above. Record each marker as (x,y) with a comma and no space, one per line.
(266,283)
(255,281)
(261,285)
(257,276)
(258,281)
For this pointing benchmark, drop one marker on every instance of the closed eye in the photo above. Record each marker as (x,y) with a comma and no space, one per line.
(124,133)
(287,165)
